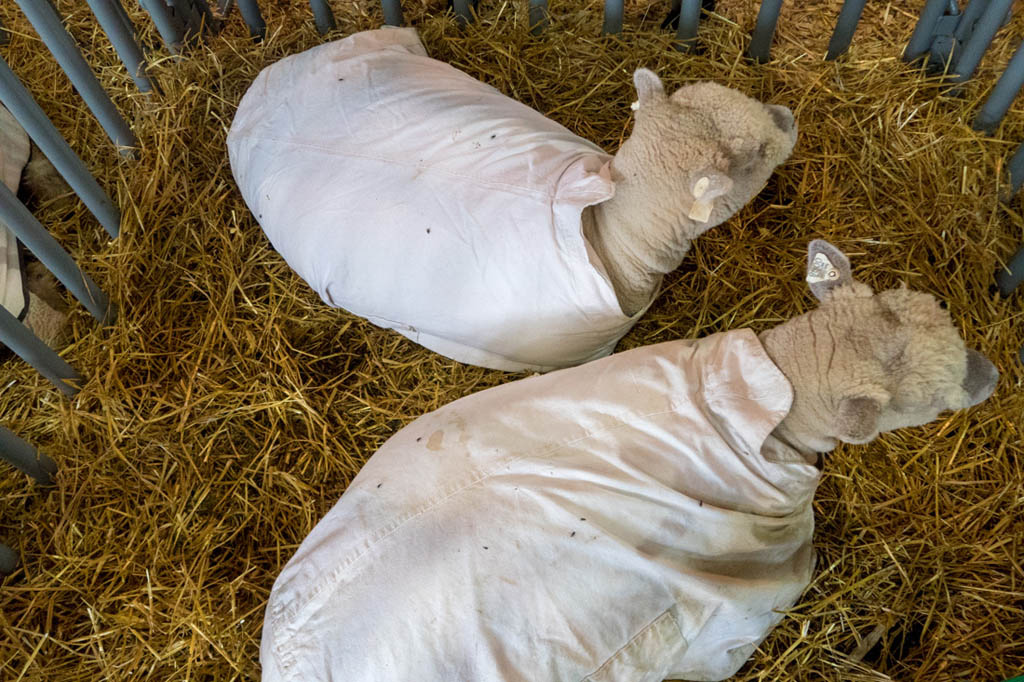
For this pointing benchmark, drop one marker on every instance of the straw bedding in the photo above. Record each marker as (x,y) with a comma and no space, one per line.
(226,409)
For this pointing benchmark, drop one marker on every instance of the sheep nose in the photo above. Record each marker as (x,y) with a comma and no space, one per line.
(982,377)
(782,116)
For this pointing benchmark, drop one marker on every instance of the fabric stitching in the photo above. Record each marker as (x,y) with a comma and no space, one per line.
(643,631)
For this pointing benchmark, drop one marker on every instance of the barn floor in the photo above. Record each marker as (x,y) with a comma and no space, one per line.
(227,408)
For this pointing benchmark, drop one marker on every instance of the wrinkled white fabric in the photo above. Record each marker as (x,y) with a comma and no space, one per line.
(14,153)
(629,519)
(407,192)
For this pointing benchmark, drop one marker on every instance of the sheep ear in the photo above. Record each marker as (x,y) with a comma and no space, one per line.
(707,186)
(857,419)
(827,269)
(648,88)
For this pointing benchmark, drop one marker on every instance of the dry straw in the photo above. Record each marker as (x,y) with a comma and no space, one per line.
(228,407)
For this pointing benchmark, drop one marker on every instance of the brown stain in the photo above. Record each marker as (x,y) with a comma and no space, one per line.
(434,442)
(460,425)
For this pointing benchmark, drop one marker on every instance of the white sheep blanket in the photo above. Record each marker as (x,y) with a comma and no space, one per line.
(14,153)
(407,192)
(630,519)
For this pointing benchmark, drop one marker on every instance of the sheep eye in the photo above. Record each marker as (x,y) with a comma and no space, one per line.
(763,149)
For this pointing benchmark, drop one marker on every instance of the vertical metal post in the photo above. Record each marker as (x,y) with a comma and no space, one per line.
(846,25)
(1003,94)
(965,25)
(975,47)
(224,6)
(253,19)
(167,25)
(9,559)
(122,39)
(26,458)
(125,19)
(33,235)
(764,30)
(921,39)
(392,12)
(47,23)
(689,22)
(29,348)
(462,12)
(612,17)
(21,105)
(538,16)
(1010,277)
(1017,168)
(322,16)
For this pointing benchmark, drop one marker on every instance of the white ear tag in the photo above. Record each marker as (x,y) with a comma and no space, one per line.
(635,105)
(700,210)
(821,270)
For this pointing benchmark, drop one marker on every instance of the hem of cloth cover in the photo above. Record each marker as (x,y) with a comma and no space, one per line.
(470,355)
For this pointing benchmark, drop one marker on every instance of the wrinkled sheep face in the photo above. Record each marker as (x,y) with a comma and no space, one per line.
(713,145)
(895,359)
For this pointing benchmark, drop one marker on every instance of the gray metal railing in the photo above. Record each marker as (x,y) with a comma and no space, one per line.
(111,16)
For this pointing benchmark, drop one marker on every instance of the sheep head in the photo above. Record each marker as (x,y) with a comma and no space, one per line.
(703,152)
(863,363)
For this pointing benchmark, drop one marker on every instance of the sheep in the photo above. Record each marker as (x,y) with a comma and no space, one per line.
(30,291)
(644,516)
(409,193)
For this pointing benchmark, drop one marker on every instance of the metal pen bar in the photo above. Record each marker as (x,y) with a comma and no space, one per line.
(1017,168)
(224,6)
(538,16)
(846,25)
(33,235)
(689,22)
(1010,277)
(764,30)
(613,12)
(167,25)
(921,39)
(9,559)
(974,9)
(462,12)
(125,19)
(29,348)
(253,19)
(322,16)
(124,42)
(26,458)
(47,23)
(21,105)
(1003,94)
(392,12)
(976,46)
